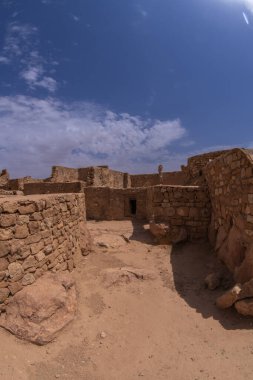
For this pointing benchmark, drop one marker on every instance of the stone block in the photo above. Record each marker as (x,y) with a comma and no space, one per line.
(21,231)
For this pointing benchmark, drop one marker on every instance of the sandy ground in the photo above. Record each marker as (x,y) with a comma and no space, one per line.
(165,328)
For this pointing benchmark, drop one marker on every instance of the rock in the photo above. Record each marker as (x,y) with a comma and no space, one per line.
(103,335)
(28,279)
(229,298)
(3,264)
(158,230)
(245,307)
(21,231)
(4,294)
(15,287)
(16,271)
(4,248)
(109,241)
(125,275)
(213,281)
(39,311)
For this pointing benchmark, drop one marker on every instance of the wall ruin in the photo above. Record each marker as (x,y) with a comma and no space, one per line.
(230,182)
(37,234)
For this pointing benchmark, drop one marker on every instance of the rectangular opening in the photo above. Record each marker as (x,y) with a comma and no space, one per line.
(132,206)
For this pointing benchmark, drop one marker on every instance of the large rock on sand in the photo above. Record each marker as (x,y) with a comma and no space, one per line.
(39,311)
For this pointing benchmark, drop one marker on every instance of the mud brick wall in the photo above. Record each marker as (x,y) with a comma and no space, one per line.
(230,182)
(104,203)
(53,187)
(187,207)
(37,234)
(145,180)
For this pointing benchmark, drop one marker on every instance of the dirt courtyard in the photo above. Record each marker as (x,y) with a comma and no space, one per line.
(162,327)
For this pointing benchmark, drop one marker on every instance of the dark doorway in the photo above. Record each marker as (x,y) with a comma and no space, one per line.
(133,206)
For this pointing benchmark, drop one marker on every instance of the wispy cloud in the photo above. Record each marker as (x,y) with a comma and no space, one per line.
(36,134)
(75,18)
(21,49)
(246,3)
(245,18)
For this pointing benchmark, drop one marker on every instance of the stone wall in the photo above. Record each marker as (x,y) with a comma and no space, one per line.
(169,178)
(230,181)
(37,234)
(180,206)
(92,176)
(104,203)
(196,164)
(53,187)
(63,174)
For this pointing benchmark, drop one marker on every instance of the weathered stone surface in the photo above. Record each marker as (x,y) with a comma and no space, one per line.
(4,293)
(4,248)
(16,271)
(3,263)
(15,287)
(229,298)
(158,230)
(245,307)
(28,279)
(21,231)
(5,234)
(39,311)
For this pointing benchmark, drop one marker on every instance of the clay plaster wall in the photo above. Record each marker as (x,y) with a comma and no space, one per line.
(37,234)
(230,181)
(181,206)
(104,203)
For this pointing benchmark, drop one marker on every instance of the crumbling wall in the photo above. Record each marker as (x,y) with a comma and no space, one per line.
(230,182)
(196,164)
(37,234)
(104,203)
(180,206)
(4,178)
(168,178)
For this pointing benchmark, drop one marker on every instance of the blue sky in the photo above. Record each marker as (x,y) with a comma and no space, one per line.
(129,83)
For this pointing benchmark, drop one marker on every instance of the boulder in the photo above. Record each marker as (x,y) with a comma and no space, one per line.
(158,230)
(245,307)
(227,299)
(39,311)
(165,233)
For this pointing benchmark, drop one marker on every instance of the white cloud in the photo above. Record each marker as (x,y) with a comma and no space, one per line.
(36,134)
(75,18)
(246,3)
(21,49)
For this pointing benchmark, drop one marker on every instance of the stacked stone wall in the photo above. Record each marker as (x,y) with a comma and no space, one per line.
(230,182)
(53,187)
(104,203)
(169,178)
(38,234)
(181,206)
(63,174)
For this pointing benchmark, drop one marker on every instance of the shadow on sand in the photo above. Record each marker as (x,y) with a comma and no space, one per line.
(190,265)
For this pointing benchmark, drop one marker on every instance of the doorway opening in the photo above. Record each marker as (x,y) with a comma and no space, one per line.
(132,206)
